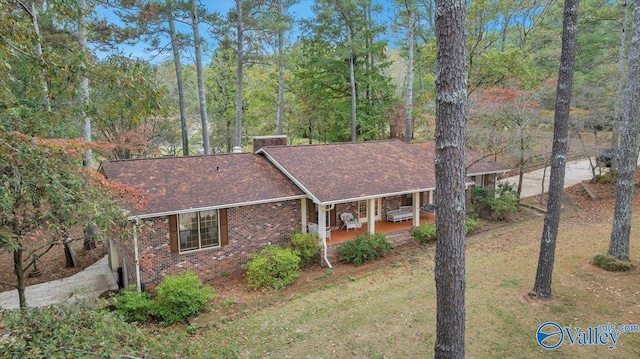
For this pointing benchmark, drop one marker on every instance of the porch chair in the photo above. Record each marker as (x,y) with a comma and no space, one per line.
(349,221)
(313,229)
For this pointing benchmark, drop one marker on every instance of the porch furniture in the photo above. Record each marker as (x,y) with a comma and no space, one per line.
(403,213)
(349,221)
(429,208)
(313,229)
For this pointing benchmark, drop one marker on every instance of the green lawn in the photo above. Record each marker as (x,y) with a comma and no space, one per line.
(387,310)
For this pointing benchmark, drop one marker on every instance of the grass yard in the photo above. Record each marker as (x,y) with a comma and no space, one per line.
(387,309)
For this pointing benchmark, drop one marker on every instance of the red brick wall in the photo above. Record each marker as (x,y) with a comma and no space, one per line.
(250,229)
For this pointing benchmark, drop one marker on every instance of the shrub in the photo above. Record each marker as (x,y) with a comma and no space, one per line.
(181,296)
(610,264)
(363,249)
(135,306)
(306,246)
(470,225)
(496,204)
(424,234)
(274,267)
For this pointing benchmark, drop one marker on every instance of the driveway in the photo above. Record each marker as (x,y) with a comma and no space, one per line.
(575,172)
(90,283)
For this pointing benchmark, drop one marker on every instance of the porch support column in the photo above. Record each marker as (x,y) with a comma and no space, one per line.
(416,208)
(431,197)
(303,214)
(322,222)
(371,214)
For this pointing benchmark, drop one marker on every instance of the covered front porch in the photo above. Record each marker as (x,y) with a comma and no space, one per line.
(339,235)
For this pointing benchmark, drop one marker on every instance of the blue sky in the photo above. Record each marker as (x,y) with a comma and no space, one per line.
(299,11)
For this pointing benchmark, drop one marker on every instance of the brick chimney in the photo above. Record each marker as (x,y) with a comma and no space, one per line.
(262,141)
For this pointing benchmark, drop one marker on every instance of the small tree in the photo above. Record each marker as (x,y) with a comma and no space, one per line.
(43,191)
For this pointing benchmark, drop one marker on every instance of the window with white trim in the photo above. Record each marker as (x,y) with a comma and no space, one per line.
(199,230)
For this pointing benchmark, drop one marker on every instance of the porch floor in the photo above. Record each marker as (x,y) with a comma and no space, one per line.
(341,235)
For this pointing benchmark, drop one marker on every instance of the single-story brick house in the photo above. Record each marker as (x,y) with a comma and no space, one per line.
(208,213)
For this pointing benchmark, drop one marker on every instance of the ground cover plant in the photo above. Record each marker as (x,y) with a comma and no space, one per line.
(610,264)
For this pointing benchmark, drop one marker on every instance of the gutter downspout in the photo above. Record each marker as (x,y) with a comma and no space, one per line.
(135,253)
(322,229)
(324,244)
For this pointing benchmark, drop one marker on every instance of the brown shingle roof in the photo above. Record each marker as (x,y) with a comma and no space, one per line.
(478,165)
(173,184)
(344,171)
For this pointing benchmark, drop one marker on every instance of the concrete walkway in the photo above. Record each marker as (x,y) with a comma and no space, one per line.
(90,283)
(575,172)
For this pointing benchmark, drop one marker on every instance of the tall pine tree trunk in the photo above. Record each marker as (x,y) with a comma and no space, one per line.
(451,114)
(240,36)
(280,114)
(542,286)
(33,14)
(619,244)
(178,66)
(352,81)
(84,83)
(408,105)
(204,119)
(617,110)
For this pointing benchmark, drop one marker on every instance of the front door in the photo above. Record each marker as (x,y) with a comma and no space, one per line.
(363,210)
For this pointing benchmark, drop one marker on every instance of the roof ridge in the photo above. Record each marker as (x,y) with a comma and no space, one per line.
(335,143)
(176,157)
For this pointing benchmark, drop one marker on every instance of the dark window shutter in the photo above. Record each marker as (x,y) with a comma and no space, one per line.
(224,227)
(173,233)
(312,211)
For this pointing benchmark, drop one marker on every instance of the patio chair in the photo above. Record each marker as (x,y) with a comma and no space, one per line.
(313,229)
(349,221)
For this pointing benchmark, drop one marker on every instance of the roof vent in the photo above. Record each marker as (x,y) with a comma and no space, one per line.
(217,169)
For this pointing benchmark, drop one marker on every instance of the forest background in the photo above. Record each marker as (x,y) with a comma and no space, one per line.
(333,72)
